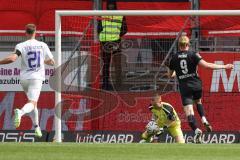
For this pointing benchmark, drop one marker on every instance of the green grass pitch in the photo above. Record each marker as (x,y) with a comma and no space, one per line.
(73,151)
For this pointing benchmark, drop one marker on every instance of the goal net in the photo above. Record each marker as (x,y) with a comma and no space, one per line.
(95,72)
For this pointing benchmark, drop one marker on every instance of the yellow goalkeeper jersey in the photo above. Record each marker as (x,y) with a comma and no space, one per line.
(165,115)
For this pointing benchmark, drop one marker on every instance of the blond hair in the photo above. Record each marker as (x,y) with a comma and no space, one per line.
(183,42)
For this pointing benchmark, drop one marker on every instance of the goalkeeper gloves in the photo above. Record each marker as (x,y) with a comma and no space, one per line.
(161,130)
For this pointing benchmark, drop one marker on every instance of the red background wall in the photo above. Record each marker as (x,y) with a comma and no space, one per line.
(222,108)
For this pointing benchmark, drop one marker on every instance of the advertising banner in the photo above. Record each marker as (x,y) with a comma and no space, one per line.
(114,137)
(10,75)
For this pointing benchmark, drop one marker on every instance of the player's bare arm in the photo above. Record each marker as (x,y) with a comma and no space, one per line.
(171,73)
(10,58)
(205,64)
(49,62)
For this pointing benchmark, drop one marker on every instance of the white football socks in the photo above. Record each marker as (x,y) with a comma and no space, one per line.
(197,131)
(27,108)
(36,122)
(204,120)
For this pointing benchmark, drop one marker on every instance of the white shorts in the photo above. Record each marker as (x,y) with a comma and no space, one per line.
(32,88)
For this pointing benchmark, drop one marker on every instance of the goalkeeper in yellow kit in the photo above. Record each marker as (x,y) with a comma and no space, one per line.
(164,118)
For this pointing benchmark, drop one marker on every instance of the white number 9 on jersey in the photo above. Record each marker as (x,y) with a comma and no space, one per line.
(184,67)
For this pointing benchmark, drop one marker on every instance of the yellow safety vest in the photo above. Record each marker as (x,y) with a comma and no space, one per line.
(111,28)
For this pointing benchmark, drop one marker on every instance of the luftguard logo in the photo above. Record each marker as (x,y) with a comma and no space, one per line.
(102,137)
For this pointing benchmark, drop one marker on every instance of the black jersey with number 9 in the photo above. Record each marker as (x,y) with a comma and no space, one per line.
(184,63)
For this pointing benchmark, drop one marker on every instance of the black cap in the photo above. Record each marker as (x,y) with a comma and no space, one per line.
(112,2)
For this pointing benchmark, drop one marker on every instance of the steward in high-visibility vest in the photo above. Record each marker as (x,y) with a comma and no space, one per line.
(111,28)
(110,31)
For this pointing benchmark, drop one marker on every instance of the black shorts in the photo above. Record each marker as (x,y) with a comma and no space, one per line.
(190,94)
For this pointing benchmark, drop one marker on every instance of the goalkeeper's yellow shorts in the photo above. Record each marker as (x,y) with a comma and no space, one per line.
(175,130)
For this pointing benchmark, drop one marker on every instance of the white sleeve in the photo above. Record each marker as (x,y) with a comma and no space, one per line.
(18,47)
(48,53)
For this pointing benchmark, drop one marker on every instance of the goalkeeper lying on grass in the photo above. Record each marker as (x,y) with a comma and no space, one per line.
(164,118)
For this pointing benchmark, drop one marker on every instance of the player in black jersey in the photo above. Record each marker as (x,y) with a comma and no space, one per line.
(184,65)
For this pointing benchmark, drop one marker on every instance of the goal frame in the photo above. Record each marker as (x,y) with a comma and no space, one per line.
(58,58)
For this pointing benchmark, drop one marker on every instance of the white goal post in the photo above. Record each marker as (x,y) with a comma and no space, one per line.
(61,13)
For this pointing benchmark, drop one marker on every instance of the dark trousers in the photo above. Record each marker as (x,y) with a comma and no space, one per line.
(111,54)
